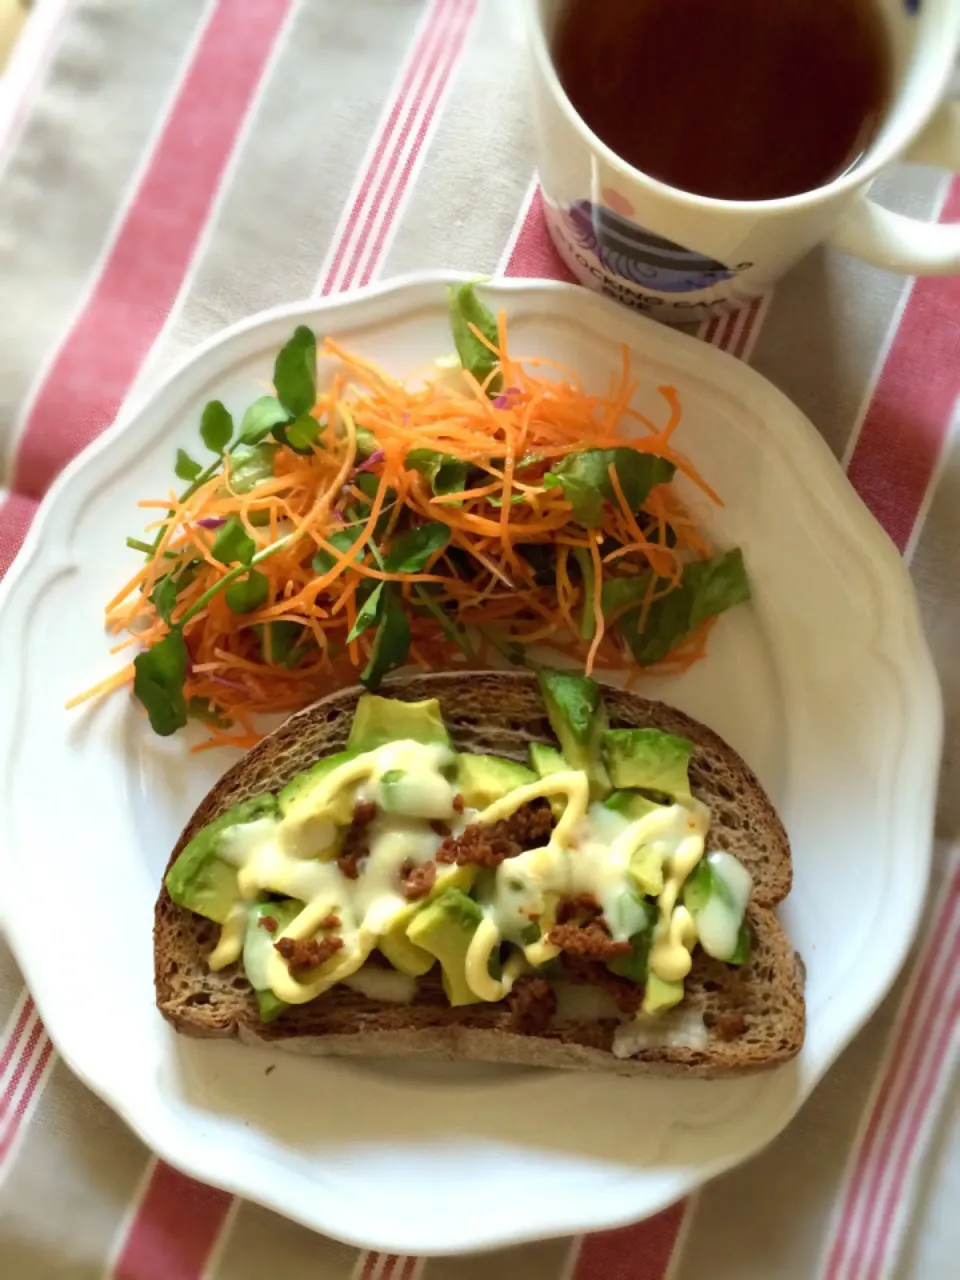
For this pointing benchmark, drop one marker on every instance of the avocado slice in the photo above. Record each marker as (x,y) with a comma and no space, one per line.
(379,720)
(648,760)
(301,786)
(661,994)
(646,870)
(405,956)
(204,883)
(638,916)
(633,805)
(706,891)
(546,760)
(579,719)
(482,780)
(744,948)
(257,947)
(698,887)
(270,1006)
(396,947)
(445,927)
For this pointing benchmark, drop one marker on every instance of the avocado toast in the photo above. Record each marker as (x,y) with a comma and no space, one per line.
(490,866)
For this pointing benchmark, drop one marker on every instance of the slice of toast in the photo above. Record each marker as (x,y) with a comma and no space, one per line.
(754,1015)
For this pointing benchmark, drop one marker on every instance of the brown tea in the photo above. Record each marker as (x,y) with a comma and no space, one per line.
(739,99)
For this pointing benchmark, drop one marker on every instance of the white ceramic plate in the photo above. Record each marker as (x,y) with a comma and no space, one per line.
(824,684)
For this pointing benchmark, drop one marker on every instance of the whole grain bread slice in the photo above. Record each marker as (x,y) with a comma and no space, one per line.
(754,1015)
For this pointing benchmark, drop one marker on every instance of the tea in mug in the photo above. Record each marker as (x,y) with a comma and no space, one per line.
(737,99)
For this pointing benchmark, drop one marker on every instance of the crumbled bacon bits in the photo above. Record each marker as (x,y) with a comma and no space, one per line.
(355,847)
(417,879)
(487,846)
(533,1002)
(582,931)
(307,953)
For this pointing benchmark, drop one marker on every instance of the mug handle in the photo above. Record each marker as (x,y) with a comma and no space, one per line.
(899,243)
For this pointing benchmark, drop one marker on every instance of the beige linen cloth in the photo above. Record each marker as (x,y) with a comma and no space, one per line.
(170,166)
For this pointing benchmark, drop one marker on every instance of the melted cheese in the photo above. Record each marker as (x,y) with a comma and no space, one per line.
(386,985)
(678,1028)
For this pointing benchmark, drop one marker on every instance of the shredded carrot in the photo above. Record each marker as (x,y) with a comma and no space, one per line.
(116,681)
(484,576)
(597,605)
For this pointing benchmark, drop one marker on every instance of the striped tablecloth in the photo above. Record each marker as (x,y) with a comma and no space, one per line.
(169,166)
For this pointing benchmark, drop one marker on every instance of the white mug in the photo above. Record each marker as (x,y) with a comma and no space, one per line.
(679,256)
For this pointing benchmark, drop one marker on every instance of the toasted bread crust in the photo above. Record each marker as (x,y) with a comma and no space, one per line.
(501,713)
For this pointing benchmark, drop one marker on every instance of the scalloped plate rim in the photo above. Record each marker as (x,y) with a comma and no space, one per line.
(147,1122)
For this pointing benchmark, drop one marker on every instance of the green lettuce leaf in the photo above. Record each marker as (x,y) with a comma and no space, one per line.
(159,676)
(233,543)
(708,588)
(216,426)
(391,646)
(445,474)
(585,478)
(411,551)
(466,309)
(261,418)
(295,372)
(248,593)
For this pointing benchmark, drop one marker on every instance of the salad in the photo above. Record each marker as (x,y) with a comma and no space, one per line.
(348,525)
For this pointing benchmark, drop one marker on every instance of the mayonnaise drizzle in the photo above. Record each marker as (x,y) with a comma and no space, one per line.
(588,852)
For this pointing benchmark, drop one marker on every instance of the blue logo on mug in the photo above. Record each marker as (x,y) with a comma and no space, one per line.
(635,254)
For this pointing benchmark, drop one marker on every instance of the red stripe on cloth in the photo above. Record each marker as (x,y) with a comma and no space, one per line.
(14,1121)
(382,1266)
(175,1229)
(428,44)
(724,336)
(730,334)
(108,342)
(448,59)
(388,1266)
(16,516)
(721,336)
(742,343)
(534,254)
(908,419)
(911,1071)
(10,1048)
(640,1252)
(928,1079)
(36,1033)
